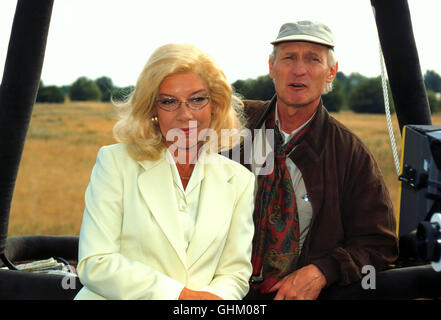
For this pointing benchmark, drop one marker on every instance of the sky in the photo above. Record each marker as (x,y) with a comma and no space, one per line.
(114,38)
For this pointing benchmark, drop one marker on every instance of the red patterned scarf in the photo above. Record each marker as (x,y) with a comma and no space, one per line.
(276,239)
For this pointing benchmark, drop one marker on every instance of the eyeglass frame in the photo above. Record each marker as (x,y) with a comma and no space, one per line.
(186,103)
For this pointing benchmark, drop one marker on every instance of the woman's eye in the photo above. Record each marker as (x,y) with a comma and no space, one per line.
(198,99)
(167,101)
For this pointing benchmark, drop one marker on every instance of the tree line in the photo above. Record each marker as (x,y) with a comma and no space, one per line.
(354,91)
(83,89)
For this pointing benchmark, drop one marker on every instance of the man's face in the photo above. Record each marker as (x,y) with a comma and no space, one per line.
(300,70)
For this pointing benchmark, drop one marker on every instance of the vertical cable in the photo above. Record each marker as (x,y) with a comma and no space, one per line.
(387,111)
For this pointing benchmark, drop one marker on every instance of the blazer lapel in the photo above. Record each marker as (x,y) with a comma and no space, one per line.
(216,202)
(156,187)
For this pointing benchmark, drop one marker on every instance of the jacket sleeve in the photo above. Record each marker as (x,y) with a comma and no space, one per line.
(233,272)
(102,268)
(368,222)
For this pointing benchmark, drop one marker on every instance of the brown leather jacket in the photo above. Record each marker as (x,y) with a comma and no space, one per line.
(353,223)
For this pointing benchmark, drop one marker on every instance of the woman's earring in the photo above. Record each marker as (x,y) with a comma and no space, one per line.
(155,120)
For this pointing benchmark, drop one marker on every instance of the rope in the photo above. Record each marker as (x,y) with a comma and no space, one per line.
(387,111)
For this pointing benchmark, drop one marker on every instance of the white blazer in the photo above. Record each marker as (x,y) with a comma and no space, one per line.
(131,243)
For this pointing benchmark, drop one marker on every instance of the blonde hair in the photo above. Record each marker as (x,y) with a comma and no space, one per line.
(135,126)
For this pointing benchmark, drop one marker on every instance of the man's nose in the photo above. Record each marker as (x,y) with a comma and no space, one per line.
(299,68)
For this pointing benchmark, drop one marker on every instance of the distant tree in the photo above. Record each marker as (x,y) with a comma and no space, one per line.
(342,78)
(367,97)
(261,88)
(65,90)
(241,87)
(122,93)
(432,81)
(84,89)
(434,102)
(334,100)
(106,86)
(345,87)
(51,94)
(352,81)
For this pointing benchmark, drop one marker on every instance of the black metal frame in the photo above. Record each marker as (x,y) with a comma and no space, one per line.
(17,96)
(18,91)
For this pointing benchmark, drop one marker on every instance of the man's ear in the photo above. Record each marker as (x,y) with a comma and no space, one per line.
(332,72)
(270,65)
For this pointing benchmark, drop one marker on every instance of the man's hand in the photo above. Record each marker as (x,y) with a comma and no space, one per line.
(188,294)
(303,284)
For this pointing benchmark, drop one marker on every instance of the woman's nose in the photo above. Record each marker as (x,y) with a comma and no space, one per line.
(184,112)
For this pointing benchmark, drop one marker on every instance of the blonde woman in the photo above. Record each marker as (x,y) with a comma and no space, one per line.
(166,216)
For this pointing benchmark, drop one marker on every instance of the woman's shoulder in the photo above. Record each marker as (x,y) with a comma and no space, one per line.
(117,152)
(115,148)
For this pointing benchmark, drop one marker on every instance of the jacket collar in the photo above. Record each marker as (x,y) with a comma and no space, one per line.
(155,183)
(257,112)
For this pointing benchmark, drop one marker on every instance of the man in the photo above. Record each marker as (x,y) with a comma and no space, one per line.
(324,212)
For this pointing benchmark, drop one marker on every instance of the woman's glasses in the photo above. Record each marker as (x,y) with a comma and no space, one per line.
(167,103)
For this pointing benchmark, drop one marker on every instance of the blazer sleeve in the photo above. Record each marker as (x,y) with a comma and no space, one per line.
(231,279)
(102,268)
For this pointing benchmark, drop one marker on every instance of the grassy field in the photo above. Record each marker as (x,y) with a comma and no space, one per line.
(61,149)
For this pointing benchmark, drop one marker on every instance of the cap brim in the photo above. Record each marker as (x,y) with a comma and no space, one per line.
(304,37)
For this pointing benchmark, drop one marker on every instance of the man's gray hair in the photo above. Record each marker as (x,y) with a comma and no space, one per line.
(332,61)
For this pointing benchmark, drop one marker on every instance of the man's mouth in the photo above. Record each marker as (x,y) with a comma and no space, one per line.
(297,85)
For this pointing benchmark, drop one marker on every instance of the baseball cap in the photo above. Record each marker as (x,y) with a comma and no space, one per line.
(305,31)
